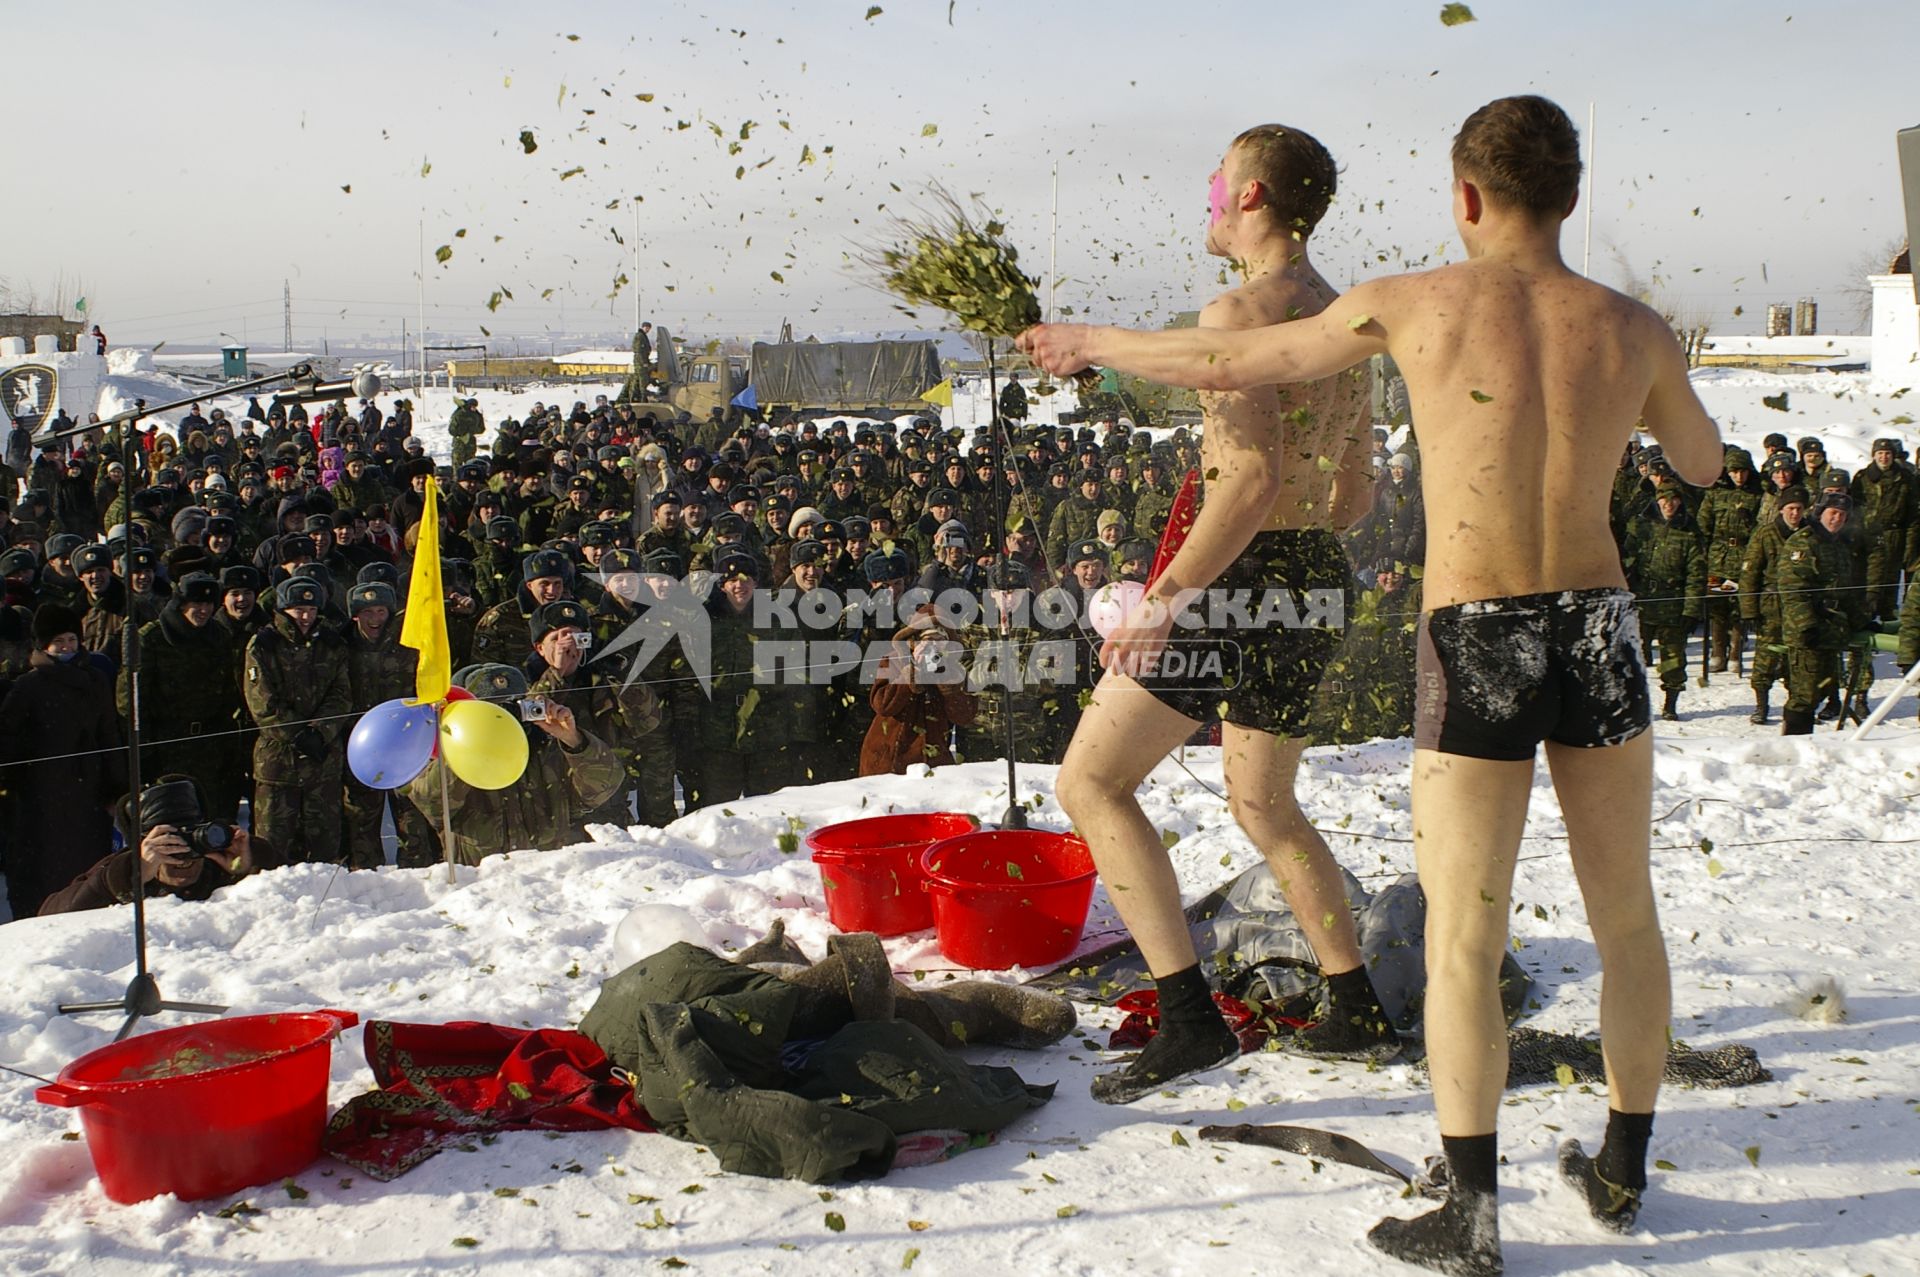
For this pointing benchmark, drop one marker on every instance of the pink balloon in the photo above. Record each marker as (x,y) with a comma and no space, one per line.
(1110,604)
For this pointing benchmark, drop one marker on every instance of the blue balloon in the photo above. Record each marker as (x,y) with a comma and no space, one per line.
(392,743)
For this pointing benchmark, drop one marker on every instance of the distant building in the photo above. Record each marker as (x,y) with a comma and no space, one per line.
(1896,325)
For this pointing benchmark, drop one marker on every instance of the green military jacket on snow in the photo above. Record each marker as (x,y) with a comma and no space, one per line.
(704,1038)
(1728,517)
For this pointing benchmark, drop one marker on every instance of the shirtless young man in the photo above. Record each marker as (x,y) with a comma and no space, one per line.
(1527,382)
(1285,464)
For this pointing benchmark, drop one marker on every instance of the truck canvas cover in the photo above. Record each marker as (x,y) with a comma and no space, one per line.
(844,374)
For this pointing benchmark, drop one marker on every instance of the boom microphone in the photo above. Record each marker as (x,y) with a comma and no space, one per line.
(364,384)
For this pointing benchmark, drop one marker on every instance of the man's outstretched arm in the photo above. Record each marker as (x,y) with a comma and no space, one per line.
(1675,416)
(1307,349)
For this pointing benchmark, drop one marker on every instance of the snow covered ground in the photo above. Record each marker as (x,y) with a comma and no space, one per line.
(1779,862)
(1811,874)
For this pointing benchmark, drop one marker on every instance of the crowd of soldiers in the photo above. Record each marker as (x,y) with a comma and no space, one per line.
(1792,554)
(264,561)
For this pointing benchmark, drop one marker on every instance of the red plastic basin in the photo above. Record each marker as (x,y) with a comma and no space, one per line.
(871,869)
(1009,897)
(252,1113)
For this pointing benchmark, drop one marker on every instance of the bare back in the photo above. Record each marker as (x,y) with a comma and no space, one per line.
(1312,430)
(1525,386)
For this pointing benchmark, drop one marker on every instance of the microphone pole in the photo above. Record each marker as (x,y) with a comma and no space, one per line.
(143,996)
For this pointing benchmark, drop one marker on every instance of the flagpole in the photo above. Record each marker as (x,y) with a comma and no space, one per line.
(1586,255)
(446,820)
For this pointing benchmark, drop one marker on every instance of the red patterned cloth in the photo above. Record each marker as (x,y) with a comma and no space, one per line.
(1249,1022)
(441,1085)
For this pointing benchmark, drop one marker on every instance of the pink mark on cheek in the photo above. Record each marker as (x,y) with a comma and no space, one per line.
(1217,199)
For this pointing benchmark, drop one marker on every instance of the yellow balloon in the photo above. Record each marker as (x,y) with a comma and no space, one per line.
(484,745)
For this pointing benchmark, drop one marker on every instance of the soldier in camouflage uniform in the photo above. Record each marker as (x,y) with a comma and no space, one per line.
(1668,573)
(1007,666)
(466,426)
(1820,611)
(653,758)
(1760,596)
(718,762)
(189,696)
(1154,498)
(298,692)
(105,607)
(496,564)
(379,670)
(1729,513)
(500,636)
(1886,501)
(620,713)
(570,772)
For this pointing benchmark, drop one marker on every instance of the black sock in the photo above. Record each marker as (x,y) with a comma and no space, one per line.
(1463,1236)
(1351,992)
(1193,1036)
(1623,1155)
(1473,1162)
(1185,1000)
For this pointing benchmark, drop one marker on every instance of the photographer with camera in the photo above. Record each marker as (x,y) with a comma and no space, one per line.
(561,670)
(919,696)
(181,853)
(570,772)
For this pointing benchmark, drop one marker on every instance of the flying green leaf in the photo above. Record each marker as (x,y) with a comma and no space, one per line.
(778,278)
(1659,1164)
(466,1243)
(913,1253)
(874,12)
(928,130)
(1563,1074)
(1478,397)
(1066,1212)
(1180,1141)
(575,171)
(1013,870)
(836,1223)
(443,254)
(426,167)
(1359,321)
(1715,868)
(1753,1154)
(1168,837)
(1454,15)
(527,144)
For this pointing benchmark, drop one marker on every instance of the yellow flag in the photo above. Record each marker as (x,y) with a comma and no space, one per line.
(941,394)
(425,628)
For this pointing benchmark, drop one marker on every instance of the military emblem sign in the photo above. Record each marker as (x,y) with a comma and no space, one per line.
(28,393)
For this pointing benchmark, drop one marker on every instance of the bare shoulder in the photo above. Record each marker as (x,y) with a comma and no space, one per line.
(1270,299)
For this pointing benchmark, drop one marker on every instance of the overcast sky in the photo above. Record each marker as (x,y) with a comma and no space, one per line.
(179,161)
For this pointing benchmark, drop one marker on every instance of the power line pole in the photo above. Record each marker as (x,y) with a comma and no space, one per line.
(286,314)
(1586,255)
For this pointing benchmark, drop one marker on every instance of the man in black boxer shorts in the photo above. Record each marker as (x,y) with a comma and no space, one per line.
(1285,465)
(1527,381)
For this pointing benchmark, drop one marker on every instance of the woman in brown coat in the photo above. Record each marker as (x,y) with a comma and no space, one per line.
(919,696)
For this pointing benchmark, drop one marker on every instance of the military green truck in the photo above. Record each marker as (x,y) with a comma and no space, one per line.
(827,378)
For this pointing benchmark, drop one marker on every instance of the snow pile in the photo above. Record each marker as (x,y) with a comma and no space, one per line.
(129,361)
(1767,881)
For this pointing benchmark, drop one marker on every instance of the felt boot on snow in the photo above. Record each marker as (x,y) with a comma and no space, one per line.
(1614,1205)
(1796,722)
(1193,1037)
(983,1013)
(773,947)
(855,973)
(1462,1237)
(1352,1024)
(1759,715)
(1829,711)
(1671,710)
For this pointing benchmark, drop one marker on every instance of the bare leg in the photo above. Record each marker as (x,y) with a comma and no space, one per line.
(1123,735)
(1468,816)
(1605,796)
(1259,771)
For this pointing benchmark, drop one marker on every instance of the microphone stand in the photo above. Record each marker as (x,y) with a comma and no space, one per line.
(1016,813)
(143,997)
